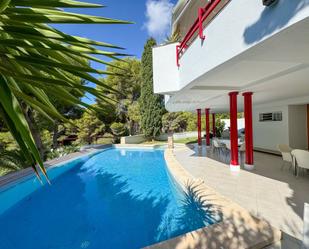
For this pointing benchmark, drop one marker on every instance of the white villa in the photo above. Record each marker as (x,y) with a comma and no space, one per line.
(241,46)
(252,57)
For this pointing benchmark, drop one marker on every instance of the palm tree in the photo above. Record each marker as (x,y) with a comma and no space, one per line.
(37,60)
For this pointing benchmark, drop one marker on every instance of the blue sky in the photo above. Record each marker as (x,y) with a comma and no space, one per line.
(151,18)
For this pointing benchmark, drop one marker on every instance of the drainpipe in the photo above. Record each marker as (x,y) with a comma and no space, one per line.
(234,164)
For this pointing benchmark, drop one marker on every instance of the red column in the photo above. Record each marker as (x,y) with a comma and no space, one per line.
(233,131)
(207,127)
(248,130)
(214,124)
(199,126)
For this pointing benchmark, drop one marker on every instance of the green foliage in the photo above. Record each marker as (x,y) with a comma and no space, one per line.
(151,105)
(62,151)
(89,128)
(188,140)
(175,122)
(7,141)
(134,112)
(38,61)
(187,121)
(11,160)
(106,139)
(125,77)
(118,129)
(219,127)
(46,139)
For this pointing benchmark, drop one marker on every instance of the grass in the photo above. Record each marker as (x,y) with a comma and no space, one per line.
(189,140)
(155,142)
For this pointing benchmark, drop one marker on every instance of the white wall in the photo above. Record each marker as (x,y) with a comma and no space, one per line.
(182,135)
(165,70)
(240,123)
(292,130)
(137,139)
(241,25)
(298,126)
(268,134)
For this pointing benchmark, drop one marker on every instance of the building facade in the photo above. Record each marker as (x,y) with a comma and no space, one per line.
(240,55)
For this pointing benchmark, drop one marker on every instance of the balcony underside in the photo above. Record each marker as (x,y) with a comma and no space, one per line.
(276,69)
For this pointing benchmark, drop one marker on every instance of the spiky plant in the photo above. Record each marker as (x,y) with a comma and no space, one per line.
(11,160)
(37,59)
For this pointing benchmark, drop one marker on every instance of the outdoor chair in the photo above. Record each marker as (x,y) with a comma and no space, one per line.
(285,151)
(242,147)
(301,160)
(217,145)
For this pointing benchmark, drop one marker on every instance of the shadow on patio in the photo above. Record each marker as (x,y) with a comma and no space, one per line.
(267,191)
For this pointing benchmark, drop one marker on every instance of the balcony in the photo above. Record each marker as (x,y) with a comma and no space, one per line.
(246,46)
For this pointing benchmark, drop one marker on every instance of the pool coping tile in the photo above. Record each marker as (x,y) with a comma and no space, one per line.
(238,228)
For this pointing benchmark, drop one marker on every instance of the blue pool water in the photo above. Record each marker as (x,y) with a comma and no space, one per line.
(119,198)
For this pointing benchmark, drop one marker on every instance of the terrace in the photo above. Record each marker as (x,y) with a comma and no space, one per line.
(267,192)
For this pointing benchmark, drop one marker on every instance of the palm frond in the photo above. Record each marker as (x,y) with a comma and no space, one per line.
(37,60)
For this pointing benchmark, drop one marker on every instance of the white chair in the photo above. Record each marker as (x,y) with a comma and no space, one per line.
(242,147)
(301,158)
(217,145)
(285,151)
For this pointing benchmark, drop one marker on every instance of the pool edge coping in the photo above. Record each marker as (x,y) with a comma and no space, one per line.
(25,174)
(225,234)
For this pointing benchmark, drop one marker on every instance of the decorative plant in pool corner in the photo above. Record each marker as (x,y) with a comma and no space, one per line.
(37,60)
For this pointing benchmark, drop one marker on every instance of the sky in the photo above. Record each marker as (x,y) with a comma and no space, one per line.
(151,19)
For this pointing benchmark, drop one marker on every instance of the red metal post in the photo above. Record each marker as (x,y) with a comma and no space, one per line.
(207,127)
(200,23)
(203,14)
(248,130)
(214,124)
(177,55)
(234,131)
(199,126)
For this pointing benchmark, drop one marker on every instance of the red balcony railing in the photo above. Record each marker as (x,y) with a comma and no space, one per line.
(203,14)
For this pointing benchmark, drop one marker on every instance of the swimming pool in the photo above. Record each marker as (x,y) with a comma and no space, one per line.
(118,198)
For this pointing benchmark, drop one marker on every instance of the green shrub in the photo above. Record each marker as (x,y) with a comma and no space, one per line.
(62,151)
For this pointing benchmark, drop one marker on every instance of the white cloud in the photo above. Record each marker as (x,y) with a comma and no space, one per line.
(158,14)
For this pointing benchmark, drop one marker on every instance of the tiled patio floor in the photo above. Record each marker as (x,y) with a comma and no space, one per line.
(268,192)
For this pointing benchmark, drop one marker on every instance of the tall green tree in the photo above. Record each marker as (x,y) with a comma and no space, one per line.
(151,105)
(125,77)
(89,128)
(36,60)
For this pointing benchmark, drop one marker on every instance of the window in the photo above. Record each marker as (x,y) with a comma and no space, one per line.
(270,116)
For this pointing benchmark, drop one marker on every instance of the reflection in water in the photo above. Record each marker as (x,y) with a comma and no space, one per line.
(111,201)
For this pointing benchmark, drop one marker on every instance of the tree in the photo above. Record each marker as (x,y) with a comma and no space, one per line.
(134,117)
(90,127)
(126,79)
(151,105)
(118,129)
(174,122)
(38,58)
